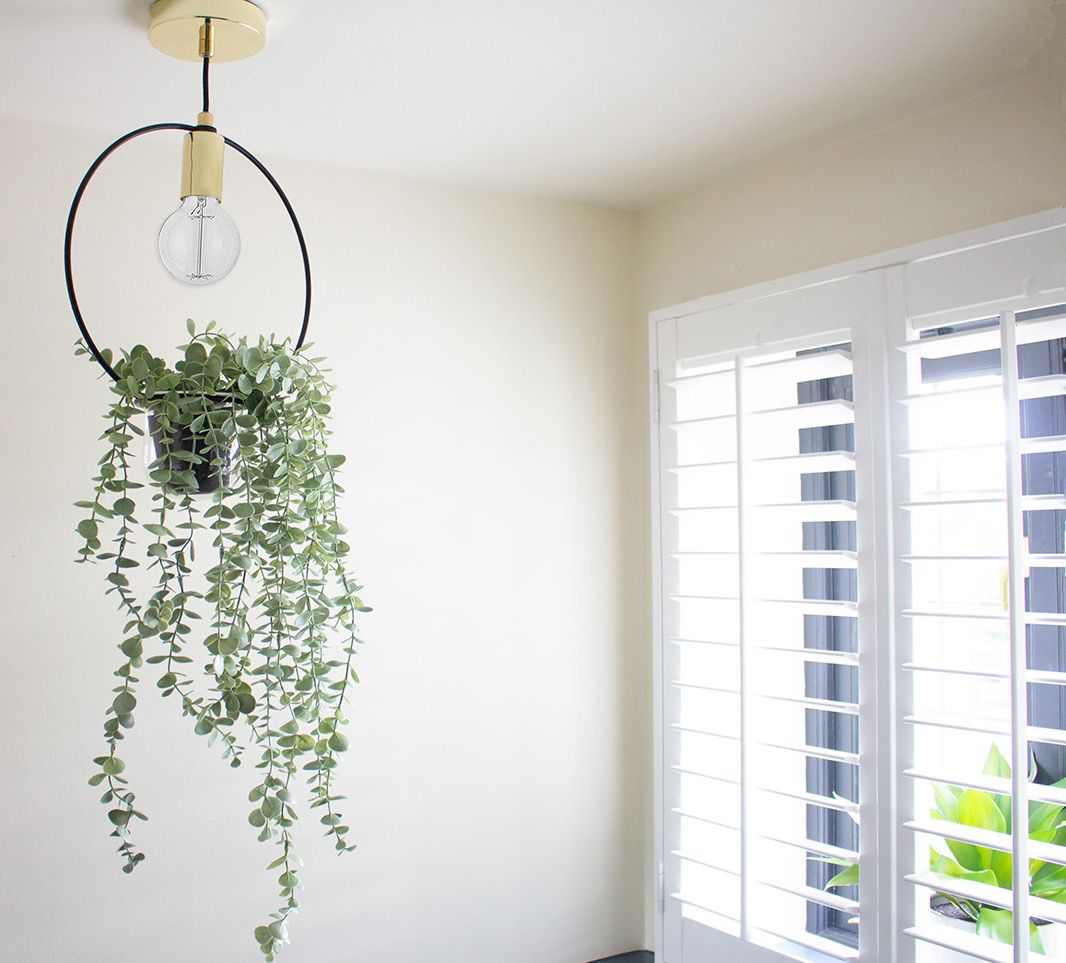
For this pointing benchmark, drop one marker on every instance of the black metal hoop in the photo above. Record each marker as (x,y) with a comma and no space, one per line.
(80,193)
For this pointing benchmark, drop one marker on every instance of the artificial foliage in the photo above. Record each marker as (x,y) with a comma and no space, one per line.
(238,604)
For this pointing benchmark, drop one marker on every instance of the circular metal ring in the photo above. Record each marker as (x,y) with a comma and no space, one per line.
(80,193)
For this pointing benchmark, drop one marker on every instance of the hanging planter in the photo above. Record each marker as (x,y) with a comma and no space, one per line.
(260,661)
(230,565)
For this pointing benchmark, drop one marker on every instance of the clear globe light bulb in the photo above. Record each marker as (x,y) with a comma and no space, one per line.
(199,243)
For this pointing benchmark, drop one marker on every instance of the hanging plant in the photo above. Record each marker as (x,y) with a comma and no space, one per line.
(271,621)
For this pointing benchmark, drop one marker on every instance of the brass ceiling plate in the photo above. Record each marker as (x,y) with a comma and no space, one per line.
(239,28)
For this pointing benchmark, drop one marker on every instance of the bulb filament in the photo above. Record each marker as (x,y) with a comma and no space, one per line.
(200,214)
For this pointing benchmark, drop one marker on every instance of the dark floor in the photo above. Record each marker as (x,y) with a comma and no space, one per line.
(637,956)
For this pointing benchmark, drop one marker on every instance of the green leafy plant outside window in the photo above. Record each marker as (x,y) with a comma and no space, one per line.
(980,864)
(269,613)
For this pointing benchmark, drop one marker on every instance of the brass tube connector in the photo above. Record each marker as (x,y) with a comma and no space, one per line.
(207,39)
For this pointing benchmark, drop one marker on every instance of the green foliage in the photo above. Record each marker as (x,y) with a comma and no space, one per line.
(848,876)
(278,614)
(991,812)
(998,924)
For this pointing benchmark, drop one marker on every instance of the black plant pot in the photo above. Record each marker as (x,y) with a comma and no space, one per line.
(211,474)
(944,907)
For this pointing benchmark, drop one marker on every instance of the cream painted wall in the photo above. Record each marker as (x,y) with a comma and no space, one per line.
(490,364)
(989,159)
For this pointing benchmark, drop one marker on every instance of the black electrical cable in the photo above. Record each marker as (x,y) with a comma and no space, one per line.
(68,241)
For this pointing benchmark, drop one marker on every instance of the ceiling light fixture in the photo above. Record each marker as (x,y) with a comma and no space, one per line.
(199,243)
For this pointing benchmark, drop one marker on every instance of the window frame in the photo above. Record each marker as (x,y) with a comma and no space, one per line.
(879,370)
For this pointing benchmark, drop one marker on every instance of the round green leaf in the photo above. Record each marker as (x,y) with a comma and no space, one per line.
(270,807)
(113,766)
(125,702)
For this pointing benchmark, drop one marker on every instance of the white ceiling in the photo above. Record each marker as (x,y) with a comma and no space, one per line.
(620,102)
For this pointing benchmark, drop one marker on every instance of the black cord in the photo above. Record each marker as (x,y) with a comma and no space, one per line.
(207,85)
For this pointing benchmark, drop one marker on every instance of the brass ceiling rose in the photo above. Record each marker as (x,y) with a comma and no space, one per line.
(238,27)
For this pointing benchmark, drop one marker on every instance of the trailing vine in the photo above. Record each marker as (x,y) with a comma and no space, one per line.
(241,473)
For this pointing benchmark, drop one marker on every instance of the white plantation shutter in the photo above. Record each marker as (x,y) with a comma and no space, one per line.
(860,587)
(760,628)
(980,388)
